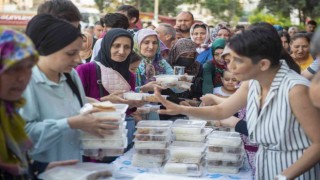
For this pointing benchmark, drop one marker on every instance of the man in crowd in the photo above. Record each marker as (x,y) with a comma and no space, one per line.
(166,33)
(184,21)
(132,14)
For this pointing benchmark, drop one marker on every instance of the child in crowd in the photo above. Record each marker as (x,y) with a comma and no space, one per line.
(229,84)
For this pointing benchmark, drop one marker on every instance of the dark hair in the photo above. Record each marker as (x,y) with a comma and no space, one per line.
(225,29)
(240,27)
(258,43)
(98,23)
(300,35)
(62,9)
(284,34)
(312,22)
(284,54)
(134,57)
(115,20)
(132,12)
(199,26)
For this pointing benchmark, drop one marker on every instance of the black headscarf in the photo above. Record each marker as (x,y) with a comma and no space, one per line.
(104,55)
(50,34)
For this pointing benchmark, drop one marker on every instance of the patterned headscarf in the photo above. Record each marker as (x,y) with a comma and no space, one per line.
(215,30)
(182,46)
(151,66)
(14,142)
(206,41)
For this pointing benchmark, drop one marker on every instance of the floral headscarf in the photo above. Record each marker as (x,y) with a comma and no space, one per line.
(215,30)
(206,41)
(151,66)
(14,142)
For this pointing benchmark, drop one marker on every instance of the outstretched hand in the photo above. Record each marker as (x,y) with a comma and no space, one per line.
(61,163)
(171,108)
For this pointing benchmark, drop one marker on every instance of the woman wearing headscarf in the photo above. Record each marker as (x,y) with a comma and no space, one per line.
(55,94)
(113,63)
(147,45)
(86,51)
(183,53)
(200,35)
(17,57)
(213,70)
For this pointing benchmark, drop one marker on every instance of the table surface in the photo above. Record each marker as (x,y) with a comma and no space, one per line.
(125,170)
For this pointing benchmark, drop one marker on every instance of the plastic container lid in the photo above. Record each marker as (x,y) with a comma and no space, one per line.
(150,144)
(188,146)
(114,135)
(193,137)
(152,137)
(133,96)
(154,123)
(104,144)
(221,138)
(182,126)
(100,153)
(183,169)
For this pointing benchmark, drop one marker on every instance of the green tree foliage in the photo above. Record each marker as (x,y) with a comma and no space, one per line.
(166,7)
(101,4)
(263,17)
(225,10)
(306,8)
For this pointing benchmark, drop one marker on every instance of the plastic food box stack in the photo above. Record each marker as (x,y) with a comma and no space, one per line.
(112,144)
(188,150)
(225,153)
(213,124)
(151,98)
(152,139)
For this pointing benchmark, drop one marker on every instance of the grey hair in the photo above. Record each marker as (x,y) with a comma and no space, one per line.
(169,30)
(315,43)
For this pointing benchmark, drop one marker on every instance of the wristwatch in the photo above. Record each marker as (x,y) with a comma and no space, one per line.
(281,177)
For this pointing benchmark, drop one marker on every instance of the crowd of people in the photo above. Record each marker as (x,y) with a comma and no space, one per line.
(255,79)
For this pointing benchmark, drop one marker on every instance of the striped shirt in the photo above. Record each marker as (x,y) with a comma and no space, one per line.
(280,137)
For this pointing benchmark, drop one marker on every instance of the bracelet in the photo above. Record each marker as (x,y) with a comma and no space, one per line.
(281,177)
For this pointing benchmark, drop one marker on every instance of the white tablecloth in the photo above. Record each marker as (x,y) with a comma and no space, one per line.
(125,170)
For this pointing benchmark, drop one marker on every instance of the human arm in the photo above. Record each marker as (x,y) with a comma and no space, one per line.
(211,99)
(311,70)
(308,117)
(221,111)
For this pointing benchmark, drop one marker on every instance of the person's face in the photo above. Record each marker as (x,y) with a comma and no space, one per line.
(14,80)
(120,49)
(223,33)
(161,33)
(149,46)
(314,90)
(199,35)
(292,32)
(300,48)
(184,22)
(131,21)
(217,56)
(285,43)
(134,66)
(227,58)
(229,81)
(310,28)
(84,43)
(98,29)
(242,67)
(65,59)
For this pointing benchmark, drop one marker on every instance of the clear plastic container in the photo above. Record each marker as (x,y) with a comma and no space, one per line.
(221,138)
(222,169)
(100,153)
(223,156)
(150,144)
(151,151)
(158,158)
(225,163)
(224,149)
(193,137)
(182,126)
(152,137)
(166,78)
(152,98)
(187,152)
(146,164)
(194,170)
(153,127)
(148,108)
(103,144)
(133,96)
(113,135)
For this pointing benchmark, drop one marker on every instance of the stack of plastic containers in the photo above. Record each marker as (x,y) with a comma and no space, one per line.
(225,152)
(186,157)
(112,144)
(151,142)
